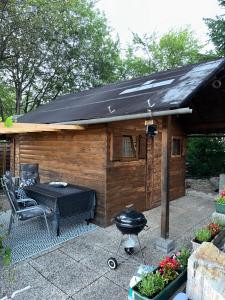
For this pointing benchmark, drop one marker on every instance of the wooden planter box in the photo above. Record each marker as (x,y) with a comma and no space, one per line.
(218,240)
(220,208)
(167,292)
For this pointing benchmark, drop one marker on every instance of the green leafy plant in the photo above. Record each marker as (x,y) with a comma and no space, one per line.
(151,284)
(169,274)
(221,198)
(219,223)
(8,122)
(203,235)
(182,256)
(5,252)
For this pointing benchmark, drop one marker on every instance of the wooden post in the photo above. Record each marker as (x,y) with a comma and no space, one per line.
(166,140)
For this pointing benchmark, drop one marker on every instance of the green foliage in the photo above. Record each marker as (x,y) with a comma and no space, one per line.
(7,101)
(206,156)
(221,200)
(169,275)
(5,252)
(52,47)
(183,256)
(151,284)
(217,30)
(203,235)
(152,53)
(219,222)
(8,122)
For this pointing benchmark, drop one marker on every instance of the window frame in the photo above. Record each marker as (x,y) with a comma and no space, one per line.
(180,138)
(135,148)
(117,135)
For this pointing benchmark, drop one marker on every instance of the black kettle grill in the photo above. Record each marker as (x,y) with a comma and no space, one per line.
(130,223)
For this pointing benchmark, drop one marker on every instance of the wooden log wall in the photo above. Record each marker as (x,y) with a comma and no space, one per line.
(85,158)
(77,157)
(4,157)
(125,182)
(154,154)
(177,163)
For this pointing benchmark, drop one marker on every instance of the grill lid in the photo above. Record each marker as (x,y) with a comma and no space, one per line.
(130,217)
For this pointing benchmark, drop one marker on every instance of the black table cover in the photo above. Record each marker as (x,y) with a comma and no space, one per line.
(65,201)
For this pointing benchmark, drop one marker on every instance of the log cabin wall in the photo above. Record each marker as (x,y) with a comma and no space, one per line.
(4,156)
(91,158)
(177,164)
(125,183)
(134,182)
(154,172)
(77,157)
(177,161)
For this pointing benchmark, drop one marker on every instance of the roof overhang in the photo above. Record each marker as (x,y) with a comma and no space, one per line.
(31,127)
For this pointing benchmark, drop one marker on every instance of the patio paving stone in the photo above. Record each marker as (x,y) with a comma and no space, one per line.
(122,275)
(24,275)
(78,249)
(97,261)
(77,269)
(102,289)
(51,262)
(73,278)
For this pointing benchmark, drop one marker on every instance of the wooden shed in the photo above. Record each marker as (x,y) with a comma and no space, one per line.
(112,153)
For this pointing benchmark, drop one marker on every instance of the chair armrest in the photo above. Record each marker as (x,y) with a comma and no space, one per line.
(27,200)
(30,208)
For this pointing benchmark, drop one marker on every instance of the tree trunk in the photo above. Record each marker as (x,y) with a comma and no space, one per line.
(18,99)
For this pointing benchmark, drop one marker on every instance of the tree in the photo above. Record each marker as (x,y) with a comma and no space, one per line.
(152,53)
(54,47)
(217,31)
(206,156)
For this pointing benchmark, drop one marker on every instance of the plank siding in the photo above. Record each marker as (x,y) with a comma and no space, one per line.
(74,157)
(177,164)
(125,180)
(86,158)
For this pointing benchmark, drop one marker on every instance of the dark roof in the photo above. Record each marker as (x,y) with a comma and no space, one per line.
(164,90)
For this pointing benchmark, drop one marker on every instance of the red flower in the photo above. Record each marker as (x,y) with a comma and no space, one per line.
(214,229)
(223,193)
(169,263)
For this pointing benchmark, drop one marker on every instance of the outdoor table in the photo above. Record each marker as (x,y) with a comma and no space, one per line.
(64,201)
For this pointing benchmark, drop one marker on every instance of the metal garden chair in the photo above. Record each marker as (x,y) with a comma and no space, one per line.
(19,213)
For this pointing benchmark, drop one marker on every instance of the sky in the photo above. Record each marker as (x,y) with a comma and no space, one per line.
(147,16)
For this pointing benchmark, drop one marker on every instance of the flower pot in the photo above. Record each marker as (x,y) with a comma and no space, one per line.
(168,290)
(195,245)
(220,208)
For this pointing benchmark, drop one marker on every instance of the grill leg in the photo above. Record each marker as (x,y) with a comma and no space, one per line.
(143,259)
(119,246)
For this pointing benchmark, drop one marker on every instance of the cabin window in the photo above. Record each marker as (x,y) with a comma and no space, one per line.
(129,146)
(176,146)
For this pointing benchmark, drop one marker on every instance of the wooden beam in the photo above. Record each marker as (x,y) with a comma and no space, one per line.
(31,127)
(166,138)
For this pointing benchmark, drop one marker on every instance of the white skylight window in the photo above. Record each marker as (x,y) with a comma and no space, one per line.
(147,85)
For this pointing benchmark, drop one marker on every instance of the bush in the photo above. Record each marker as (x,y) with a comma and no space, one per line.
(203,235)
(206,156)
(151,284)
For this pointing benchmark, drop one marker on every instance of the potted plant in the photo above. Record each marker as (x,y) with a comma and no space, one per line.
(168,277)
(201,235)
(214,233)
(220,203)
